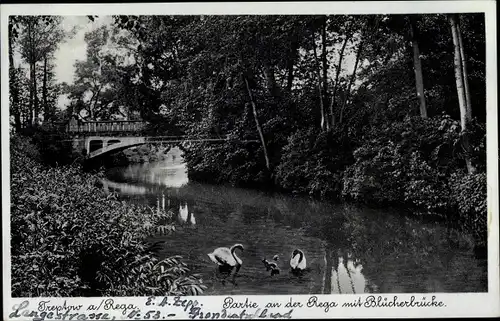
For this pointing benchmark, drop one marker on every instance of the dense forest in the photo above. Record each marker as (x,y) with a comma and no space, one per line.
(388,110)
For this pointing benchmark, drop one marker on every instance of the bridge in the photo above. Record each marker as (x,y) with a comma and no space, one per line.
(97,138)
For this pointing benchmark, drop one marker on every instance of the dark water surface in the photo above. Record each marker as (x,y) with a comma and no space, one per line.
(349,249)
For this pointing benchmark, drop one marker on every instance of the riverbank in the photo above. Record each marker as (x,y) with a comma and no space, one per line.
(69,238)
(415,164)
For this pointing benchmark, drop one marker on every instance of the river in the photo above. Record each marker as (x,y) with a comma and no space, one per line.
(349,249)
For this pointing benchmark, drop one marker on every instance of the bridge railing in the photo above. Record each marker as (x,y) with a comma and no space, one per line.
(76,126)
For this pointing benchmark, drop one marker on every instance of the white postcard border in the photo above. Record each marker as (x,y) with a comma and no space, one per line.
(463,304)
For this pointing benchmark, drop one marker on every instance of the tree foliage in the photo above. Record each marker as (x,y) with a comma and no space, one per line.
(35,38)
(103,81)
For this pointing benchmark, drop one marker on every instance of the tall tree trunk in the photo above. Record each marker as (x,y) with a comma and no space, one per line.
(32,92)
(46,112)
(31,57)
(417,67)
(270,79)
(257,123)
(458,73)
(468,102)
(351,81)
(13,85)
(324,121)
(36,107)
(337,76)
(324,64)
(459,78)
(290,65)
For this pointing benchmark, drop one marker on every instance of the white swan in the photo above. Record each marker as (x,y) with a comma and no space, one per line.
(298,261)
(226,259)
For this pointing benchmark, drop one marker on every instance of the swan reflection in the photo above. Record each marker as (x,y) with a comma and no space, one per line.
(343,275)
(183,213)
(185,216)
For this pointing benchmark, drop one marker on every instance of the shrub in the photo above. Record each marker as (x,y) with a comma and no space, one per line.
(417,163)
(54,145)
(312,162)
(407,163)
(293,172)
(426,188)
(377,174)
(233,163)
(469,195)
(68,238)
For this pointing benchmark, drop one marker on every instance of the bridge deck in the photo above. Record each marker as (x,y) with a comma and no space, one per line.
(111,126)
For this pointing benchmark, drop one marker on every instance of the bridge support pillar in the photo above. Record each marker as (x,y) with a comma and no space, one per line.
(79,146)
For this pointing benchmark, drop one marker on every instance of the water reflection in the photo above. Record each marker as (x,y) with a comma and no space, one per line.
(349,249)
(343,274)
(185,215)
(169,173)
(123,188)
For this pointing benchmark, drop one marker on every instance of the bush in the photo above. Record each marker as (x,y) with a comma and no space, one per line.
(407,163)
(426,188)
(376,176)
(71,239)
(312,163)
(469,195)
(54,145)
(418,163)
(233,163)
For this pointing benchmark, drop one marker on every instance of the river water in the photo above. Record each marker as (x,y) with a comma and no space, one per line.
(349,249)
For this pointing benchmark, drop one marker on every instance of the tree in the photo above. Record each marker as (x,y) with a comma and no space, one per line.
(462,85)
(325,122)
(40,37)
(50,89)
(257,124)
(330,121)
(465,73)
(352,79)
(417,65)
(13,83)
(347,38)
(103,80)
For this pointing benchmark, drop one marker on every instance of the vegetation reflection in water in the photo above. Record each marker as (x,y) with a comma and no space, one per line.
(349,249)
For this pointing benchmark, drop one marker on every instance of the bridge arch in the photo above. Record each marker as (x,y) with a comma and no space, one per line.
(95,144)
(113,141)
(111,145)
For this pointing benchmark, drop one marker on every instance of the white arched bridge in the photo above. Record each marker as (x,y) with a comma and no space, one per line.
(98,138)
